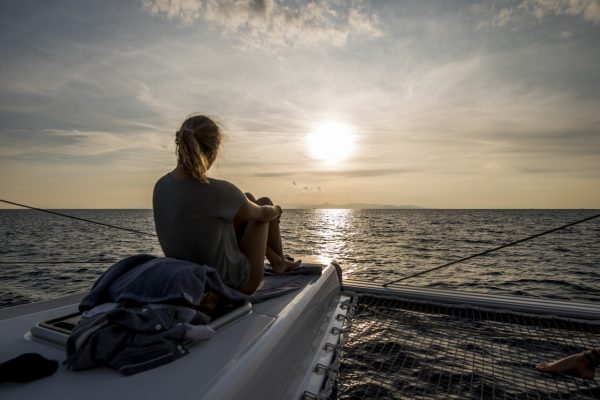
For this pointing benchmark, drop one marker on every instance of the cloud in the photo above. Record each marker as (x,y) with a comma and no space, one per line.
(275,23)
(81,143)
(566,34)
(366,173)
(349,173)
(588,9)
(531,12)
(273,174)
(305,187)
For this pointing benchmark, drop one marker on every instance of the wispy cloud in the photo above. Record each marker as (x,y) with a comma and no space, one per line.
(523,13)
(589,10)
(80,143)
(330,174)
(274,23)
(305,187)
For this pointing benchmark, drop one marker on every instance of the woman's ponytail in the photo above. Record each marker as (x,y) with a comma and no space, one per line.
(197,143)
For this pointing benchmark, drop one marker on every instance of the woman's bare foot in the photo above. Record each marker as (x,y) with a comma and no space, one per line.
(284,265)
(574,364)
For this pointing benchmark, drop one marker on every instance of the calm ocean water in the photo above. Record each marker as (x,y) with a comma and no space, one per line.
(377,245)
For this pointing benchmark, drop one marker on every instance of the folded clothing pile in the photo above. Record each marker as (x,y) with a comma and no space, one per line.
(141,310)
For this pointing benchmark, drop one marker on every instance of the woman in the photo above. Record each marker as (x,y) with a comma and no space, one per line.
(210,221)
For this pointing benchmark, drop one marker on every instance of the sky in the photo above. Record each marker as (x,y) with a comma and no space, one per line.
(448,104)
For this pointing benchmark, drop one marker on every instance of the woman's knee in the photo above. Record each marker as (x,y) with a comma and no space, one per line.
(264,201)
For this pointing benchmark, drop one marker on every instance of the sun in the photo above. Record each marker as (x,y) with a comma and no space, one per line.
(331,141)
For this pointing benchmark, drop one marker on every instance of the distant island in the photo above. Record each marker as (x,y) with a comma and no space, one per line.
(356,206)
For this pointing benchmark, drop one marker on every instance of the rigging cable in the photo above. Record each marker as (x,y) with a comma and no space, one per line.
(58,262)
(490,250)
(79,219)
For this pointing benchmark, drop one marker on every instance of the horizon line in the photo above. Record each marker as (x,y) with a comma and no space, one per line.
(334,207)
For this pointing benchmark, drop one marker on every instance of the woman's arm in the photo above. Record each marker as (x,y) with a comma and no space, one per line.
(253,212)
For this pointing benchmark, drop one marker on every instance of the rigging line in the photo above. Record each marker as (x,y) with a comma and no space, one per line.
(58,262)
(490,250)
(78,218)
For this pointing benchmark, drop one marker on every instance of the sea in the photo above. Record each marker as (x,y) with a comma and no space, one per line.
(44,256)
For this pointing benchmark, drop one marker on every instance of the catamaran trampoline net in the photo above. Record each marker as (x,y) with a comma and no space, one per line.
(396,349)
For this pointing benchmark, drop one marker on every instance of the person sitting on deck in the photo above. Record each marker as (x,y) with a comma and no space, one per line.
(210,221)
(581,364)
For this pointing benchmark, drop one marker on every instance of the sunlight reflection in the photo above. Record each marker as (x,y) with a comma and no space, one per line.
(333,236)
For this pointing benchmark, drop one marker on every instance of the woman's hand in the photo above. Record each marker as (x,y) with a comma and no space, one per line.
(270,213)
(253,212)
(279,211)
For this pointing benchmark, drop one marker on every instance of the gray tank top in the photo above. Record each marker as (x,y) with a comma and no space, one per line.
(194,221)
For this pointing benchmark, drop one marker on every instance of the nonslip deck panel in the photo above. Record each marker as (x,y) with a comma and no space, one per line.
(406,349)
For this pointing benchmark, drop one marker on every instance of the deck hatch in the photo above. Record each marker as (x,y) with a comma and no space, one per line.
(407,349)
(63,324)
(57,330)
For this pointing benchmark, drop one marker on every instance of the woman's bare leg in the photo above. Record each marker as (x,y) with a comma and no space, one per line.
(575,364)
(253,245)
(274,240)
(240,224)
(274,248)
(274,251)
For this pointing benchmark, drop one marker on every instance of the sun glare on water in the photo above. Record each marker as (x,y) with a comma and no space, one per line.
(330,141)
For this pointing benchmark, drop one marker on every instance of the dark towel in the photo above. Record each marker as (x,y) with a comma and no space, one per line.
(277,285)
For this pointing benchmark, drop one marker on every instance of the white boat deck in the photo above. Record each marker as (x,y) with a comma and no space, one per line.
(268,353)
